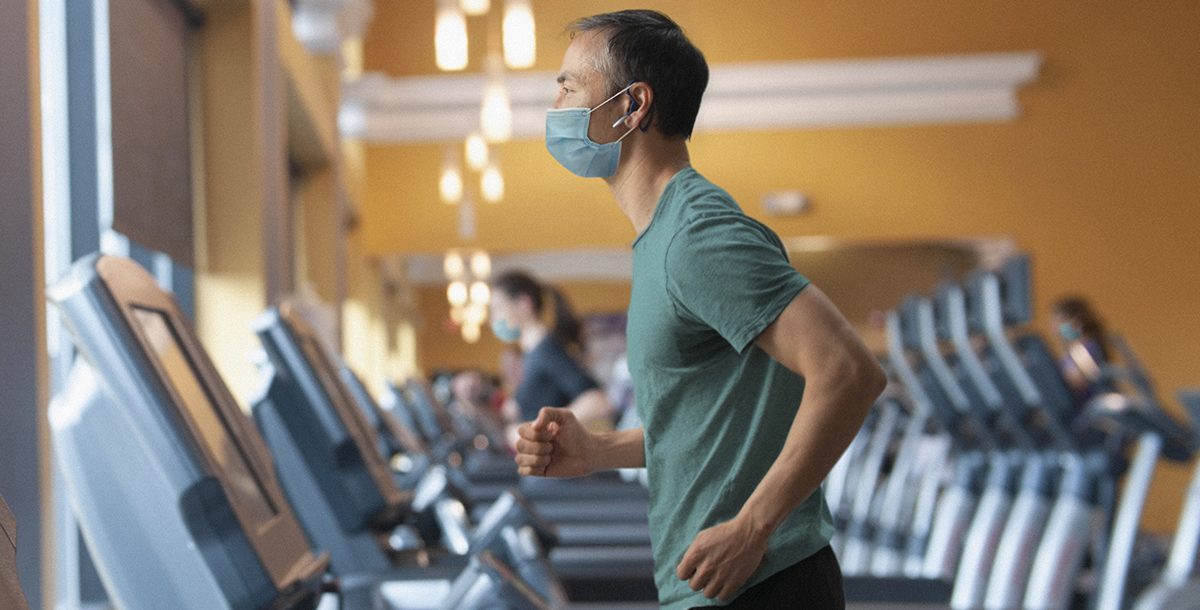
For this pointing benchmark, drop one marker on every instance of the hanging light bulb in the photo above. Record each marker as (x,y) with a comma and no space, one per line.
(520,42)
(470,333)
(450,36)
(475,314)
(453,266)
(491,184)
(457,314)
(476,151)
(456,293)
(481,264)
(475,8)
(495,117)
(450,185)
(480,293)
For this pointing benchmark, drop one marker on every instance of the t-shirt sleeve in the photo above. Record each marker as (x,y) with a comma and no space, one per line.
(730,273)
(551,378)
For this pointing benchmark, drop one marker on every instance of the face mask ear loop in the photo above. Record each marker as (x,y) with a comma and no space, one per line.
(614,96)
(631,130)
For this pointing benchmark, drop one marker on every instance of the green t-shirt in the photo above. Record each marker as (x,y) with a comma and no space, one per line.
(716,410)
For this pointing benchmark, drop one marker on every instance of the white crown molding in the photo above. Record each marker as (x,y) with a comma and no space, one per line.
(750,96)
(594,264)
(615,264)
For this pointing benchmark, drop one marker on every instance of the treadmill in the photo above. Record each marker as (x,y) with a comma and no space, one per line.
(172,486)
(1176,586)
(323,445)
(485,471)
(11,597)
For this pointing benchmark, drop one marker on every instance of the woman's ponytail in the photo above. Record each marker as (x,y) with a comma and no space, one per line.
(567,327)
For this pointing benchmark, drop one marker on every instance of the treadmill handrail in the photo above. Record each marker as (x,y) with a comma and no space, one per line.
(1186,543)
(993,328)
(968,358)
(1111,592)
(898,360)
(927,338)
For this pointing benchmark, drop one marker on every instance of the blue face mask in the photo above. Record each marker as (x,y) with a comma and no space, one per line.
(1068,331)
(568,142)
(505,331)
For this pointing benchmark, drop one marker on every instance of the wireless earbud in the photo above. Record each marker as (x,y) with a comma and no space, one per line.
(633,106)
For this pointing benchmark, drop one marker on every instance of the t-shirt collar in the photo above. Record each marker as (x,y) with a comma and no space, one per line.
(659,205)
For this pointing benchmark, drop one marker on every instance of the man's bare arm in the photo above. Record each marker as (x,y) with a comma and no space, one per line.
(842,381)
(590,406)
(556,444)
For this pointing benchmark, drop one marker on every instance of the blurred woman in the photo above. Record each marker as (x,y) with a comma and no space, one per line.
(1086,349)
(550,376)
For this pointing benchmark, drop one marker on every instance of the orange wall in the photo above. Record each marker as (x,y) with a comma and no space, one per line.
(1098,178)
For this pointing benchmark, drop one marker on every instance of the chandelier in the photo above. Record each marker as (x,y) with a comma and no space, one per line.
(467,290)
(451,50)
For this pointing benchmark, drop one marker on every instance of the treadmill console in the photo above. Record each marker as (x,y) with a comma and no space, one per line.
(171,484)
(326,452)
(11,597)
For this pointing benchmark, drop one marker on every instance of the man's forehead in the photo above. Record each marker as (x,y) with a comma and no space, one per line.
(581,58)
(578,74)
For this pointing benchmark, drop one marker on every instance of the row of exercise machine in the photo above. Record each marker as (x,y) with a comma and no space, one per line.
(325,498)
(977,481)
(980,469)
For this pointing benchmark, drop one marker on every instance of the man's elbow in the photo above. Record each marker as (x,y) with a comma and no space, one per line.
(869,380)
(876,379)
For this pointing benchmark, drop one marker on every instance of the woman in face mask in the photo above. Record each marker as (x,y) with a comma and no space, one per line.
(1085,346)
(550,376)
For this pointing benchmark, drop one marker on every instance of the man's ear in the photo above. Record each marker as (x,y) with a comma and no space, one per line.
(641,105)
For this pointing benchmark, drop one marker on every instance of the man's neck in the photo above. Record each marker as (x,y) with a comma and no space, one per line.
(641,179)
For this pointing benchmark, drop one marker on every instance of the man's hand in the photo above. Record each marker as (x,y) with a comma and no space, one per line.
(554,445)
(722,558)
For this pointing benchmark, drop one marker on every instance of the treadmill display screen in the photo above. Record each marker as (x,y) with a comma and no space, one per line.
(215,431)
(332,387)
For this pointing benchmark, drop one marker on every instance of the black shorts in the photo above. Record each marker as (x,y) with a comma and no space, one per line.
(814,582)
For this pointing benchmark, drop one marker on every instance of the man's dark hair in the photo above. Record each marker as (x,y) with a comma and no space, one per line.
(646,46)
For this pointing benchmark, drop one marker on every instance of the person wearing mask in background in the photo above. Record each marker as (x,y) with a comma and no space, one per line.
(749,382)
(470,398)
(550,376)
(1085,347)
